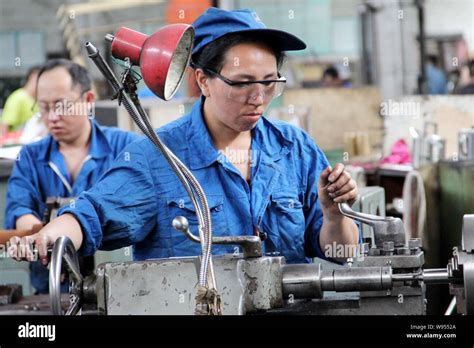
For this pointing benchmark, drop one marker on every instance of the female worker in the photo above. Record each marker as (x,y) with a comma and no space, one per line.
(261,177)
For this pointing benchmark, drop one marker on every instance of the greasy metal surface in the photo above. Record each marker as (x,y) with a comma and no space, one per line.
(262,278)
(167,286)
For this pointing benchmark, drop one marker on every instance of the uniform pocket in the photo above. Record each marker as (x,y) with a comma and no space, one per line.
(285,224)
(182,206)
(288,209)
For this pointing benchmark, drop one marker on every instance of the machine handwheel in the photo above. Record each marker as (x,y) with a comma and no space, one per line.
(64,249)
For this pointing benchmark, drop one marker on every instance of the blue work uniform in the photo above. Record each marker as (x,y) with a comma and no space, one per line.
(136,201)
(40,172)
(436,80)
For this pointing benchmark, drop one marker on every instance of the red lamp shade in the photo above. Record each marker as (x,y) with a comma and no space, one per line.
(162,57)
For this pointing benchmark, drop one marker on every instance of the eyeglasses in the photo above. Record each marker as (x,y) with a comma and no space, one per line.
(62,107)
(244,91)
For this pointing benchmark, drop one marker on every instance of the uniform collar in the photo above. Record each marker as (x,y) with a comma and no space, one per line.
(270,140)
(266,137)
(99,145)
(202,150)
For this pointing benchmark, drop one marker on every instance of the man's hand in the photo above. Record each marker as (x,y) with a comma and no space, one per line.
(29,248)
(22,248)
(335,186)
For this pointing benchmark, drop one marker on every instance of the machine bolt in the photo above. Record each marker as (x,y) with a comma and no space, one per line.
(388,248)
(364,249)
(414,244)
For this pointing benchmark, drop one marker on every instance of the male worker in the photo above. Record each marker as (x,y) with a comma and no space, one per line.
(68,161)
(283,189)
(332,78)
(20,105)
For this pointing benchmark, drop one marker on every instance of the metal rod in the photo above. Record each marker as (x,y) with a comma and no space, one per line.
(435,276)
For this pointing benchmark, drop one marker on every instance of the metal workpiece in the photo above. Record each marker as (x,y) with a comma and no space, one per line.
(302,280)
(357,279)
(428,276)
(435,276)
(386,229)
(309,281)
(251,245)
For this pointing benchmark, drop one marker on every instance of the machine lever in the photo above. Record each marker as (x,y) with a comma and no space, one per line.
(251,245)
(386,229)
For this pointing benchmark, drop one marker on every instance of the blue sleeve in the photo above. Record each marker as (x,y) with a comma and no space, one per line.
(316,162)
(120,209)
(23,196)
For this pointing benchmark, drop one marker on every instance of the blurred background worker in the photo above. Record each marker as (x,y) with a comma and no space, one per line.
(436,79)
(468,88)
(332,78)
(68,161)
(20,105)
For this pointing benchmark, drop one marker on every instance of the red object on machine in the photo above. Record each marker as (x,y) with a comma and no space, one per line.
(162,56)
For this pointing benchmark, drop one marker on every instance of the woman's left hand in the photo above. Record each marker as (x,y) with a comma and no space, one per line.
(336,186)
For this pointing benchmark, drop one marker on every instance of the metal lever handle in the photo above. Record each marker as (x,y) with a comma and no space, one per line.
(368,219)
(386,229)
(251,245)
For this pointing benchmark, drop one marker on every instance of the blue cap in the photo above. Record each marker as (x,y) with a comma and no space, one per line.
(215,23)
